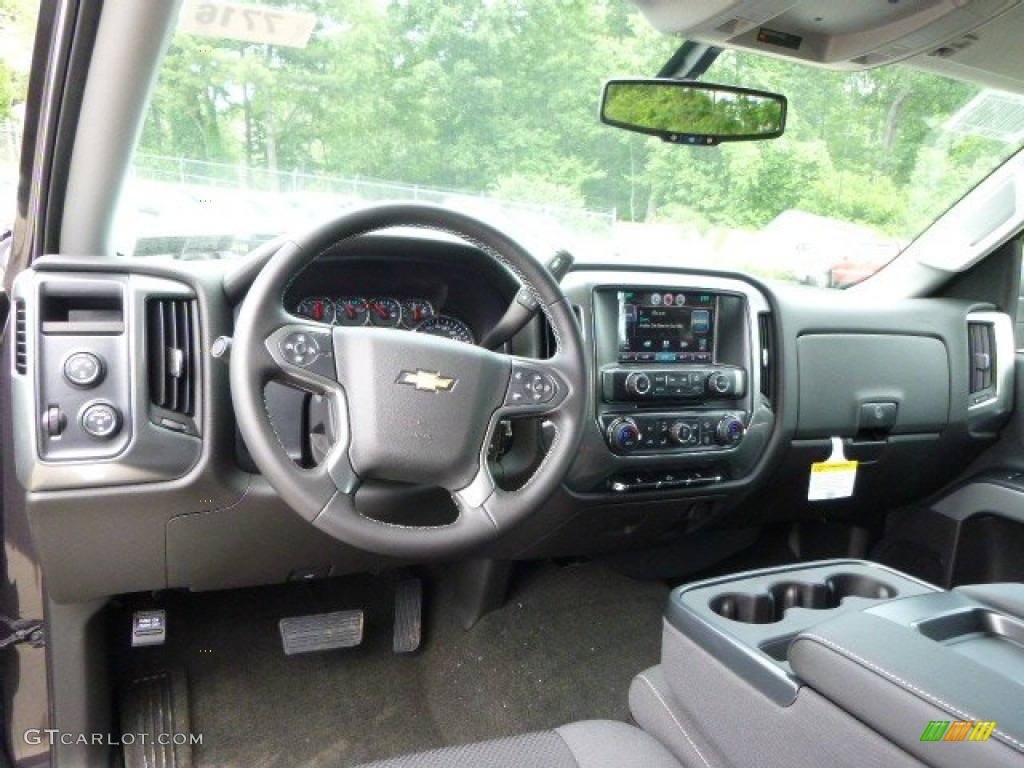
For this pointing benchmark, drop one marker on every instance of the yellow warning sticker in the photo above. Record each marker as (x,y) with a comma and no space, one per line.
(833,478)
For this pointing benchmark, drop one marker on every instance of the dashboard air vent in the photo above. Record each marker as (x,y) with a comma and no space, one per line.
(766,353)
(981,348)
(20,337)
(549,345)
(171,352)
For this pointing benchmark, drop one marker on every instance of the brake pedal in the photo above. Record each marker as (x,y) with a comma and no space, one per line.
(321,632)
(408,615)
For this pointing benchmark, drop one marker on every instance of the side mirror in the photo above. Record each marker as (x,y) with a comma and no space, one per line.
(688,112)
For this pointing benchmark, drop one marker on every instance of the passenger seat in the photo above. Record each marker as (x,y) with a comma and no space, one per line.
(587,744)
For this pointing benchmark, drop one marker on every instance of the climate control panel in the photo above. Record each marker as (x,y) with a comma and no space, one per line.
(630,385)
(694,431)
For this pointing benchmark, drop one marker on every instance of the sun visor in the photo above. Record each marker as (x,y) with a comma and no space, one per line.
(837,34)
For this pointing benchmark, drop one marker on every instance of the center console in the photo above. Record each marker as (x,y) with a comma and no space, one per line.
(668,355)
(840,662)
(679,381)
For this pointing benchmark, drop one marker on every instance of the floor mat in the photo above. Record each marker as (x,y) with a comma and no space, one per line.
(564,648)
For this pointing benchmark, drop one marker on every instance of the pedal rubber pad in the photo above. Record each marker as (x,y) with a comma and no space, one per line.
(155,709)
(321,632)
(408,615)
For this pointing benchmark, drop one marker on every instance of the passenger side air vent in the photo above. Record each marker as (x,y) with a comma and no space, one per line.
(766,354)
(20,337)
(981,348)
(171,356)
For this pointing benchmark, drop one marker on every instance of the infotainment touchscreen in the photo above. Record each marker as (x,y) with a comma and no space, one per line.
(667,326)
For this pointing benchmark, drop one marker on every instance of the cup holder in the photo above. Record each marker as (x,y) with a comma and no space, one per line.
(749,609)
(771,606)
(855,585)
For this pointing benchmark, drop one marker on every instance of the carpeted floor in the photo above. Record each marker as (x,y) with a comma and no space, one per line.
(564,648)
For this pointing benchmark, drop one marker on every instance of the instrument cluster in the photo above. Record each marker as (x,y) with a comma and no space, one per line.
(417,315)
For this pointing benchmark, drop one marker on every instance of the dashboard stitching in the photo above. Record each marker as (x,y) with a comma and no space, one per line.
(903,683)
(675,720)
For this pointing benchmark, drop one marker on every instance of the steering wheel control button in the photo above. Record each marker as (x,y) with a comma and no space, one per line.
(300,348)
(101,420)
(530,387)
(83,369)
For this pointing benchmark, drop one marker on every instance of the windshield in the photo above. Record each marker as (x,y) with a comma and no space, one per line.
(271,122)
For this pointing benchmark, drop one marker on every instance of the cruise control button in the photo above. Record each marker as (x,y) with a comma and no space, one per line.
(300,348)
(101,420)
(531,386)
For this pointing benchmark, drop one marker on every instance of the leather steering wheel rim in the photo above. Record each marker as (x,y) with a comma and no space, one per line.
(443,397)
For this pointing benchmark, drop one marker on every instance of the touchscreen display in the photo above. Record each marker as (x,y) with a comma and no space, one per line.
(666,326)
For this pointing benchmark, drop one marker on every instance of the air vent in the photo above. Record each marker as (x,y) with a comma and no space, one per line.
(548,344)
(981,348)
(20,337)
(171,352)
(766,352)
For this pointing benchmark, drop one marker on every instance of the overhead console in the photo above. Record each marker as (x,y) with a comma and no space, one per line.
(835,34)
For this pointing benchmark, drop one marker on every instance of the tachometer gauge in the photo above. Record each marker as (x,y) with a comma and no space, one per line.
(448,327)
(351,310)
(317,308)
(415,311)
(384,313)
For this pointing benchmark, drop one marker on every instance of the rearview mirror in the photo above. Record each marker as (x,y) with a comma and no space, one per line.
(687,112)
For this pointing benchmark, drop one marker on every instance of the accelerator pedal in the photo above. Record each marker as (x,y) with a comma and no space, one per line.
(408,615)
(321,632)
(156,706)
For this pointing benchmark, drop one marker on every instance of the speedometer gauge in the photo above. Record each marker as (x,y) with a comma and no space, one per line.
(448,327)
(384,313)
(320,309)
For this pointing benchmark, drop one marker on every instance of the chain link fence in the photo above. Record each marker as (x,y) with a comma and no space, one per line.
(347,190)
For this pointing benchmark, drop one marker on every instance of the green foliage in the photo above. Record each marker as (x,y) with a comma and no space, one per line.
(7,90)
(500,96)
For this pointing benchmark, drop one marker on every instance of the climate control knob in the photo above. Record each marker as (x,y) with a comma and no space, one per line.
(730,431)
(623,434)
(681,432)
(638,384)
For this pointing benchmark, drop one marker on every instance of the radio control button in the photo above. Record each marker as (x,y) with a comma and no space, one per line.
(638,383)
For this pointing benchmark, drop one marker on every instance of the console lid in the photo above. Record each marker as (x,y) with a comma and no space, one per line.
(936,658)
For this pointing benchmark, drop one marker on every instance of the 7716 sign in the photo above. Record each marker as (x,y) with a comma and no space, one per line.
(251,23)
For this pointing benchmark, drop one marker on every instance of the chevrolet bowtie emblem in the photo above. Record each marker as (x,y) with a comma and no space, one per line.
(426,381)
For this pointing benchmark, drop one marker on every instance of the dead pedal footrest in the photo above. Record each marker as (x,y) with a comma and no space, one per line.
(155,710)
(321,631)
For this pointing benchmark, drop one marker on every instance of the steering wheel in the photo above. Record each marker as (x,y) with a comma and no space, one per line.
(407,407)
